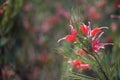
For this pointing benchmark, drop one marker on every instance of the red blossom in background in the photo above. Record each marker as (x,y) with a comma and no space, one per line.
(117,4)
(2,7)
(79,65)
(61,12)
(93,13)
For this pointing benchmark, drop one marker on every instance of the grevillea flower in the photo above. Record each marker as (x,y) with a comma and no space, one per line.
(96,45)
(71,37)
(95,31)
(78,64)
(86,30)
(73,32)
(85,66)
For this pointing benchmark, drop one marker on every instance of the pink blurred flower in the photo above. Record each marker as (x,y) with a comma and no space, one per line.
(27,25)
(79,1)
(28,6)
(114,27)
(1,11)
(101,3)
(61,12)
(93,14)
(64,14)
(49,22)
(117,4)
(7,72)
(2,7)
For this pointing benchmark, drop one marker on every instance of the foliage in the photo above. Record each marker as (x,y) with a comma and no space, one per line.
(104,63)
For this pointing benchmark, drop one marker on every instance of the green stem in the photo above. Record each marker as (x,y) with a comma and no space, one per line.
(106,77)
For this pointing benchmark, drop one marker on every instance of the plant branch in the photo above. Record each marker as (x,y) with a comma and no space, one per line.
(106,77)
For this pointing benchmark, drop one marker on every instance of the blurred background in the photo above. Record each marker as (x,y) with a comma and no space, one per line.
(29,30)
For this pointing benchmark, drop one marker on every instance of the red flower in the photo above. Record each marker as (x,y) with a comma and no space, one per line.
(84,29)
(74,32)
(96,46)
(70,38)
(78,64)
(87,30)
(95,31)
(85,66)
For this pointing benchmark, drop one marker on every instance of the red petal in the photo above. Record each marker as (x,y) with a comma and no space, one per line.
(96,31)
(96,46)
(76,63)
(70,38)
(84,29)
(74,32)
(85,66)
(95,41)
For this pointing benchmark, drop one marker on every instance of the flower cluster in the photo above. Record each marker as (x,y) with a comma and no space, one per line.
(91,38)
(91,34)
(95,34)
(79,65)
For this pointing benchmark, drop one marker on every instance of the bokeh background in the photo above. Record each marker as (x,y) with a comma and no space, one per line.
(29,30)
